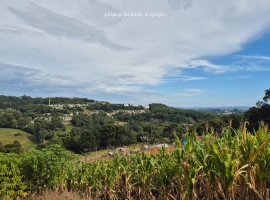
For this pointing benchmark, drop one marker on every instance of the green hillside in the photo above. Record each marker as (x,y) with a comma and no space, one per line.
(8,135)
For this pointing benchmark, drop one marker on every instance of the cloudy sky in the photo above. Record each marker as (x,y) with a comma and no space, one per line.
(181,53)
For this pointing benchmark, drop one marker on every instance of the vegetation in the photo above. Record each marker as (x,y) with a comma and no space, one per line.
(160,113)
(110,107)
(95,121)
(15,147)
(8,136)
(18,102)
(232,161)
(259,113)
(233,166)
(100,121)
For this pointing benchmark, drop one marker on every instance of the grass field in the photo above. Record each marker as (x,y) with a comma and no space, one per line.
(98,155)
(68,129)
(7,136)
(120,123)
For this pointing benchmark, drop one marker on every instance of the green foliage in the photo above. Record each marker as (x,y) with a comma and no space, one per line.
(229,163)
(18,102)
(89,140)
(214,168)
(94,121)
(108,107)
(16,147)
(175,115)
(162,114)
(115,135)
(267,95)
(12,183)
(44,169)
(260,113)
(72,143)
(8,135)
(9,119)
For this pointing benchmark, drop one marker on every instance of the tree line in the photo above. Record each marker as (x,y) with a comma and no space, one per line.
(100,131)
(17,102)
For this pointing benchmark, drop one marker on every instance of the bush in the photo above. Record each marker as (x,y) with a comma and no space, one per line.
(11,179)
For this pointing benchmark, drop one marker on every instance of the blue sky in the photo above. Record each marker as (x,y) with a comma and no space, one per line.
(189,53)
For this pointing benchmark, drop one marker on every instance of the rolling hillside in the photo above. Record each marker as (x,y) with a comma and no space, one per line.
(8,135)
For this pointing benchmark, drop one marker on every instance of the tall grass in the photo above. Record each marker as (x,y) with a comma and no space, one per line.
(235,165)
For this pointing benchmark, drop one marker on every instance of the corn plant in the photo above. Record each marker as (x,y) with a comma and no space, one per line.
(144,167)
(92,179)
(234,166)
(125,186)
(107,174)
(167,174)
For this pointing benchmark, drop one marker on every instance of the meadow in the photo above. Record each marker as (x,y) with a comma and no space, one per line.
(8,135)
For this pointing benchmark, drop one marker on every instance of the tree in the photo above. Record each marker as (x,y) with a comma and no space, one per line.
(267,95)
(237,120)
(169,130)
(72,143)
(40,134)
(260,113)
(89,140)
(107,135)
(23,121)
(9,119)
(116,135)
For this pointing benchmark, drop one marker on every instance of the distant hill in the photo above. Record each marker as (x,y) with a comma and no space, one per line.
(222,110)
(18,102)
(229,108)
(177,115)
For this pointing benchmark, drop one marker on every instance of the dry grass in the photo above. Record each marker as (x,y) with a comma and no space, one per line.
(102,154)
(54,195)
(120,123)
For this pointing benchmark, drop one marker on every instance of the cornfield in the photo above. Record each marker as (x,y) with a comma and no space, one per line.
(232,165)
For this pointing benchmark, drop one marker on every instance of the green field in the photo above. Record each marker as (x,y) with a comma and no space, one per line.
(120,123)
(97,155)
(7,136)
(68,129)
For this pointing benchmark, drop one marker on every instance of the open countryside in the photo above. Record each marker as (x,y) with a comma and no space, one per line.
(134,100)
(87,149)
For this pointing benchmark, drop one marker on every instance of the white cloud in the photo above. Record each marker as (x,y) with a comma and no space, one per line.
(209,67)
(250,63)
(23,78)
(71,44)
(256,63)
(257,57)
(190,92)
(193,90)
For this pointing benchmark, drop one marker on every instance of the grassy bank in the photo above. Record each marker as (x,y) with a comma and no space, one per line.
(8,135)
